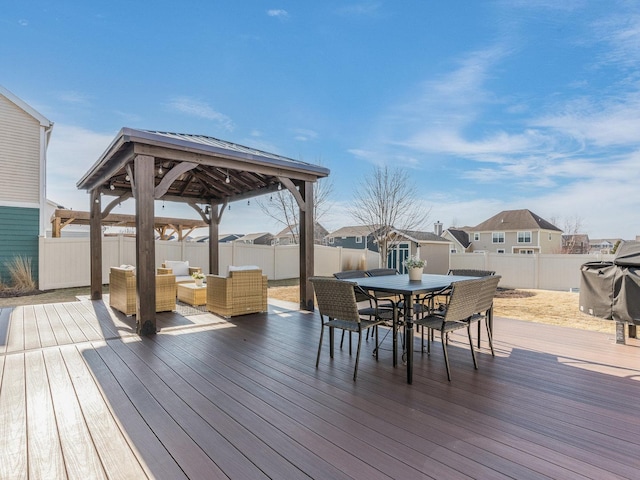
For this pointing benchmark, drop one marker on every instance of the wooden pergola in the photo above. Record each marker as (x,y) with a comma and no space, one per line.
(204,172)
(165,227)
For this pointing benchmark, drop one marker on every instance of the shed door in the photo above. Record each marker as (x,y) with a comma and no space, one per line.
(397,256)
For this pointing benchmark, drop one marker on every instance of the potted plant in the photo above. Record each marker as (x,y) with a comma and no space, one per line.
(198,277)
(415,266)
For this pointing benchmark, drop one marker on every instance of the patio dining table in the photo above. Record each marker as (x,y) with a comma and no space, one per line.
(409,289)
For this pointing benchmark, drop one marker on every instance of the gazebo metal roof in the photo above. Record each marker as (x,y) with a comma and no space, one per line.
(206,164)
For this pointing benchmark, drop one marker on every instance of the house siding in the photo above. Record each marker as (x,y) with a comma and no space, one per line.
(20,151)
(19,228)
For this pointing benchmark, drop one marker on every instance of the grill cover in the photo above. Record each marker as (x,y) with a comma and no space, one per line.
(596,289)
(611,290)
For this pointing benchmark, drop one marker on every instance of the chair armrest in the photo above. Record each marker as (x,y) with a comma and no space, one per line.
(164,271)
(193,270)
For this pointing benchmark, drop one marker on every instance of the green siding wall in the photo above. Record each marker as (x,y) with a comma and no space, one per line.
(19,228)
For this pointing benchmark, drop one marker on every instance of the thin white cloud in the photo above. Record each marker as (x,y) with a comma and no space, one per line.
(304,135)
(278,13)
(73,97)
(190,106)
(360,9)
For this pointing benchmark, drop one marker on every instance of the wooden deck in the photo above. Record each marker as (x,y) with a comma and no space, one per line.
(83,397)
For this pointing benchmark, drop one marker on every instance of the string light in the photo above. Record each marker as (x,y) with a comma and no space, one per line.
(160,171)
(227,180)
(127,178)
(279,186)
(112,186)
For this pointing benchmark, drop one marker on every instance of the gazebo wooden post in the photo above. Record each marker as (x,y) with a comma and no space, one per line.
(95,242)
(144,174)
(306,247)
(215,214)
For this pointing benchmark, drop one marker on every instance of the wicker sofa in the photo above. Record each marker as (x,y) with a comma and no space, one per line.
(243,291)
(180,269)
(122,291)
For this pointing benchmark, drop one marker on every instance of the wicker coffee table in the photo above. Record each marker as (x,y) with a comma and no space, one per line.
(192,294)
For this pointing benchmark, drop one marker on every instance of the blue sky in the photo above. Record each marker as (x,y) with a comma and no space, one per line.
(491,105)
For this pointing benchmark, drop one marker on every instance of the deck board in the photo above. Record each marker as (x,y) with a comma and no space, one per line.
(208,398)
(13,419)
(45,458)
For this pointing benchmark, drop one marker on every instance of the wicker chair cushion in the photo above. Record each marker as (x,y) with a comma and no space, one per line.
(179,268)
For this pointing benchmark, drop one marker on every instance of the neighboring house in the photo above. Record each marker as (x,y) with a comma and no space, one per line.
(603,245)
(263,238)
(223,238)
(576,244)
(516,231)
(357,237)
(427,245)
(459,239)
(290,235)
(24,137)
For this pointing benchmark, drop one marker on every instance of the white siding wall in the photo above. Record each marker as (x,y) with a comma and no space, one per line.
(19,156)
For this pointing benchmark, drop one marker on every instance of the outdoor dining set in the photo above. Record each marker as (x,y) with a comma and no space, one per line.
(359,301)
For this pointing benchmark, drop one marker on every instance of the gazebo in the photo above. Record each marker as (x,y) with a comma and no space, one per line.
(204,172)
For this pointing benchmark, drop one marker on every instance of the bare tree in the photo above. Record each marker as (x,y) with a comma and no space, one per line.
(283,208)
(574,237)
(386,202)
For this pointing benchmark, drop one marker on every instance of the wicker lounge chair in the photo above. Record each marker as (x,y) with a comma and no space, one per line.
(242,292)
(122,291)
(180,269)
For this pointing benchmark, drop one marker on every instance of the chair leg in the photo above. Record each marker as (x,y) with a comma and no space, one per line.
(331,335)
(377,340)
(446,354)
(320,345)
(479,329)
(473,353)
(355,370)
(489,336)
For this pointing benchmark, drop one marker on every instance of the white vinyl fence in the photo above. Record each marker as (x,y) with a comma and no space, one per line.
(540,271)
(65,262)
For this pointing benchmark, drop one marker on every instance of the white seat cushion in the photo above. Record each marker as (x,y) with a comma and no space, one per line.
(179,268)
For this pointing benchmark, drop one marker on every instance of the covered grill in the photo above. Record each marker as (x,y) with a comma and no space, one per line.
(611,290)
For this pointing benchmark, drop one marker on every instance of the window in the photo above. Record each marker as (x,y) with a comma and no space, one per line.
(497,237)
(359,239)
(526,252)
(524,237)
(549,237)
(500,250)
(330,240)
(476,237)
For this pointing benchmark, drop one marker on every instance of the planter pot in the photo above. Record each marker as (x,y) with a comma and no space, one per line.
(415,273)
(199,282)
